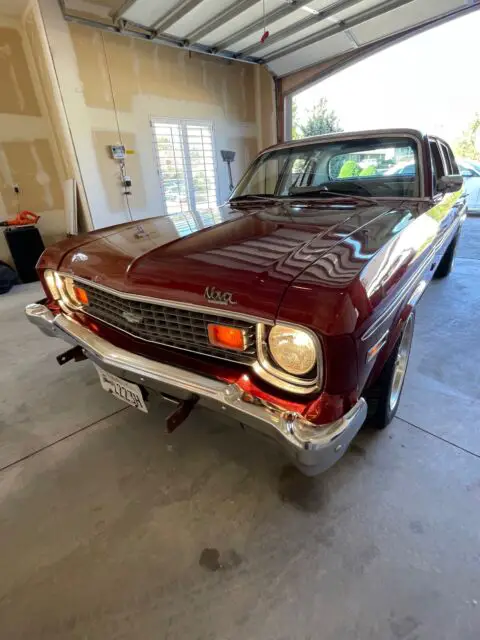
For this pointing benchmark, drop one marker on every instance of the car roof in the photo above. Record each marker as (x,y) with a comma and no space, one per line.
(350,135)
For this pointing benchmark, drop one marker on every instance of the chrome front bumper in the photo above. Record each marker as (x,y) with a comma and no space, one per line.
(313,449)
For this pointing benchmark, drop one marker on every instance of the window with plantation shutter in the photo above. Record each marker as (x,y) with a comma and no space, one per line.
(186,163)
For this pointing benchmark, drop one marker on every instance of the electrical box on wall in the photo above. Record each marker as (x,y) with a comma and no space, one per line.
(117,151)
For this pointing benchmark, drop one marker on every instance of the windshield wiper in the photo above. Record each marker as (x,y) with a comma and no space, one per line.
(254,196)
(299,192)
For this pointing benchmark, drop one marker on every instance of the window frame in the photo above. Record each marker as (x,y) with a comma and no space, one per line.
(453,160)
(433,143)
(410,135)
(447,164)
(184,123)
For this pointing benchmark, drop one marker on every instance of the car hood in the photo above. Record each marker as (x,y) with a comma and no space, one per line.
(251,255)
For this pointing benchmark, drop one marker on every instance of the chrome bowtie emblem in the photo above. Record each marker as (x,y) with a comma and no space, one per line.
(218,297)
(132,318)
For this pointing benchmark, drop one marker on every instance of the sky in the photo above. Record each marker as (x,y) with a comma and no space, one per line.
(430,82)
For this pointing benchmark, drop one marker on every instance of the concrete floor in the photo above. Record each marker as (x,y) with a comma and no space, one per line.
(110,530)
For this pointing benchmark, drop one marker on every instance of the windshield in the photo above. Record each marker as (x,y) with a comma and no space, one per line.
(379,167)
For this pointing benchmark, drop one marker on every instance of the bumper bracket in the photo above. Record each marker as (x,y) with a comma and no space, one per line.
(76,354)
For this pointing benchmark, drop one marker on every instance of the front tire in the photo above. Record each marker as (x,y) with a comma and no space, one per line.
(446,263)
(384,397)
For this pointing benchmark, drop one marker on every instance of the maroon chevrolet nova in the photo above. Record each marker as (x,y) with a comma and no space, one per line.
(290,308)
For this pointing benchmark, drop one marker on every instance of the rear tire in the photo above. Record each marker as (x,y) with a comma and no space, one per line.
(383,397)
(446,263)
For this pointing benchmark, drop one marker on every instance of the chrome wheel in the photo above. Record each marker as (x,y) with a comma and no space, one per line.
(400,367)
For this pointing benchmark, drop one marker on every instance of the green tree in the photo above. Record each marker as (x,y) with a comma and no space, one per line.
(320,119)
(465,147)
(295,123)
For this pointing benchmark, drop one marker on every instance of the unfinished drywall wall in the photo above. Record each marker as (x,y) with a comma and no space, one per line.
(27,153)
(48,90)
(107,80)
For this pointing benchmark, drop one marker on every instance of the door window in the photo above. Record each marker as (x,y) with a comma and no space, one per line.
(438,169)
(446,159)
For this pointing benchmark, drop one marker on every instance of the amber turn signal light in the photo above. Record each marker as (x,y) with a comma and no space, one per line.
(227,337)
(81,295)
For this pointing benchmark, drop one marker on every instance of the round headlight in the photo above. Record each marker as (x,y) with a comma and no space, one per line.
(52,282)
(292,349)
(71,295)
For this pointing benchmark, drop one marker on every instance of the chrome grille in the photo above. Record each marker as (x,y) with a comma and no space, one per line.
(168,326)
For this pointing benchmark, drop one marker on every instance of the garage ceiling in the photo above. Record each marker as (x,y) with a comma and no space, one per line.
(302,33)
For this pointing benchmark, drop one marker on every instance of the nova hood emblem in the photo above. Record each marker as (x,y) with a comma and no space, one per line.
(218,297)
(132,318)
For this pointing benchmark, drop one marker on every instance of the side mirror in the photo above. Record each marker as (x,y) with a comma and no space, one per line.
(466,173)
(450,184)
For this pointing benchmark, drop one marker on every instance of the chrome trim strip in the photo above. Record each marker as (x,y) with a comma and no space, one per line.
(418,293)
(377,347)
(313,448)
(170,303)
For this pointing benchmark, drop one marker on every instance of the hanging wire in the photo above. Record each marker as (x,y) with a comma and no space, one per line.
(122,163)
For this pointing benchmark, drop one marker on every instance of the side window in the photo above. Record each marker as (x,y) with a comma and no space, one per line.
(446,158)
(437,163)
(453,162)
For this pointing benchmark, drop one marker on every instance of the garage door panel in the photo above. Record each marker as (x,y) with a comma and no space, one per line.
(402,18)
(274,26)
(100,8)
(360,7)
(202,13)
(307,56)
(241,21)
(295,37)
(147,12)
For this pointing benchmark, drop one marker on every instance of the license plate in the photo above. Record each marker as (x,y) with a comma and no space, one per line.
(123,390)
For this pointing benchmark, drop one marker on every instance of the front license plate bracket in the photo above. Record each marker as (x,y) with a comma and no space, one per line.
(181,413)
(76,354)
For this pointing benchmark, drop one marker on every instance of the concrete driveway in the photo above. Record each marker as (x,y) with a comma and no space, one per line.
(111,530)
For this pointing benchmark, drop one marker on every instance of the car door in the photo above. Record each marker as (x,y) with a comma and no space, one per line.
(462,198)
(449,207)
